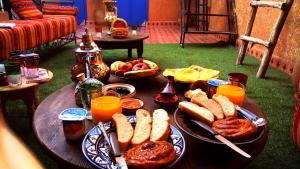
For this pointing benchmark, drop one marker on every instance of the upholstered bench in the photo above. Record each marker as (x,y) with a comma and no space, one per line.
(28,34)
(35,28)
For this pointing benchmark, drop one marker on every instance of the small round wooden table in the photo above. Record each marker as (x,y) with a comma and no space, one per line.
(49,132)
(129,43)
(28,92)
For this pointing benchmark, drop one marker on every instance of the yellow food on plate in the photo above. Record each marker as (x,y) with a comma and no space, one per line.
(192,74)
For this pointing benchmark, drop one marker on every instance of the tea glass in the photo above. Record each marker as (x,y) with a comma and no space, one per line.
(32,66)
(238,77)
(104,107)
(13,73)
(234,91)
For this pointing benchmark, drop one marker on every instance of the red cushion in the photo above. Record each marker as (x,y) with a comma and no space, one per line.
(26,9)
(52,9)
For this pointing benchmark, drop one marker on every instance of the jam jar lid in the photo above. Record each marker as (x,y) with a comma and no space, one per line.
(73,114)
(217,82)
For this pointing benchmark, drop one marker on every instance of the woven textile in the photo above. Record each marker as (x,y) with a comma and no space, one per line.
(28,34)
(26,9)
(53,9)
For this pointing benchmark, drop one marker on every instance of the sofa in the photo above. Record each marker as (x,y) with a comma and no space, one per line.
(36,28)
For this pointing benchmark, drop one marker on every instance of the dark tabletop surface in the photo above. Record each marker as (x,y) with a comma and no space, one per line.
(199,154)
(107,38)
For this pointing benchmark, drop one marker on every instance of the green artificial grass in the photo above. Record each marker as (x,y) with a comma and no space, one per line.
(273,94)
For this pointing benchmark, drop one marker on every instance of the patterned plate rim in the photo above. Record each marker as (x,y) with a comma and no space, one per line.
(179,155)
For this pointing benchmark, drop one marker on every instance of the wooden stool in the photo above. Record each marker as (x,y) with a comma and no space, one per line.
(270,45)
(29,93)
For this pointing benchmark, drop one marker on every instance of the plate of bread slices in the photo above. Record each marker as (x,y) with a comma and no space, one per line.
(145,141)
(135,69)
(220,114)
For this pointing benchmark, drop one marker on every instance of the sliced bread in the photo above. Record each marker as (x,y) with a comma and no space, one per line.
(142,128)
(124,130)
(197,112)
(160,125)
(209,104)
(227,106)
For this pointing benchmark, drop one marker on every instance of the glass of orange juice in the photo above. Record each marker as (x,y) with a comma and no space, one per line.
(103,108)
(235,92)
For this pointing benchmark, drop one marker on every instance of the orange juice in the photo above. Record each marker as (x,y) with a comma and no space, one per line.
(236,94)
(104,107)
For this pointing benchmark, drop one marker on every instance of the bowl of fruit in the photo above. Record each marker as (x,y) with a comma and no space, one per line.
(135,69)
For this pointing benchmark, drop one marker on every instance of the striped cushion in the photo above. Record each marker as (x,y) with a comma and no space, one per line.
(28,34)
(26,9)
(53,9)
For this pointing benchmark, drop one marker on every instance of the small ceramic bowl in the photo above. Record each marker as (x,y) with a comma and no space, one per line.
(131,104)
(73,120)
(166,102)
(123,90)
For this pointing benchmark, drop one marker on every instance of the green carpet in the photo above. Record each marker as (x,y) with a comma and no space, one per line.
(274,94)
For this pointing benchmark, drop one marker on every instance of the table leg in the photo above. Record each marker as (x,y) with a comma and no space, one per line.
(2,107)
(140,49)
(30,106)
(130,52)
(36,96)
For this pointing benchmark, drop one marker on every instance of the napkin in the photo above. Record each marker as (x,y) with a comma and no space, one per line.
(192,74)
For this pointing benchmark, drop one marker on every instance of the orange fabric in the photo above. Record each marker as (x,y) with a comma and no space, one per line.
(26,9)
(28,34)
(52,9)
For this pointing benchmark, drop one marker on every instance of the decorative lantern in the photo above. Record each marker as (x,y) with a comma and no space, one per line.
(119,29)
(99,70)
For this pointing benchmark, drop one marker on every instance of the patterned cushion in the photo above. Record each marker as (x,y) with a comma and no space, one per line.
(53,9)
(28,34)
(26,9)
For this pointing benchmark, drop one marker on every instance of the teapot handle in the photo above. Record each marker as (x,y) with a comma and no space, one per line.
(116,10)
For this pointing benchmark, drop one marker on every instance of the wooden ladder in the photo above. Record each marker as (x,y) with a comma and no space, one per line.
(270,45)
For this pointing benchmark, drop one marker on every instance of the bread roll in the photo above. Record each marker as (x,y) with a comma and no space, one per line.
(151,155)
(233,128)
(124,130)
(160,125)
(142,128)
(227,106)
(209,104)
(197,112)
(190,93)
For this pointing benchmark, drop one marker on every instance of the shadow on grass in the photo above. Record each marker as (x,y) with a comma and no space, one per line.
(206,45)
(273,78)
(50,52)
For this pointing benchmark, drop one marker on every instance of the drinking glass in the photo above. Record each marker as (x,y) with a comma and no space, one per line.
(3,79)
(104,107)
(238,77)
(20,60)
(235,92)
(32,66)
(13,73)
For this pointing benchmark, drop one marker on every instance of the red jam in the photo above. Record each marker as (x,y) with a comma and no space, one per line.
(131,103)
